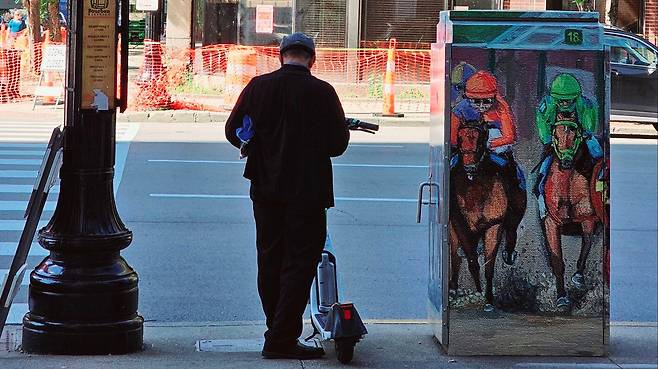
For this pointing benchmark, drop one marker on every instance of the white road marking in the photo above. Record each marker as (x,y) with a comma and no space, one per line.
(22,205)
(198,196)
(4,141)
(122,147)
(18,173)
(24,145)
(586,365)
(20,161)
(9,249)
(379,166)
(26,130)
(21,153)
(16,225)
(9,188)
(11,135)
(230,162)
(379,146)
(214,196)
(24,282)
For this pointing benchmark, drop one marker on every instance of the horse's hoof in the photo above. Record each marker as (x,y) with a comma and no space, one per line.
(563,302)
(578,280)
(488,308)
(510,259)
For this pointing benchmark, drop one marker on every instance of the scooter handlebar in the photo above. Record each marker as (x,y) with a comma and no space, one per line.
(357,125)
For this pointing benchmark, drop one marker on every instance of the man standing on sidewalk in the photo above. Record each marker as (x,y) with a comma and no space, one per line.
(298,125)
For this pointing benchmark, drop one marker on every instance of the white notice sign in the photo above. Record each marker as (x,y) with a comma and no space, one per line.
(264,18)
(147,5)
(54,58)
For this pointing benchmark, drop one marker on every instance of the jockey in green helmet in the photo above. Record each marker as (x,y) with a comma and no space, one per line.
(565,102)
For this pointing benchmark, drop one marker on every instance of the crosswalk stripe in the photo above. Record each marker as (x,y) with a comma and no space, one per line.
(25,129)
(23,145)
(17,225)
(9,249)
(24,282)
(22,153)
(31,126)
(20,161)
(17,312)
(18,173)
(21,205)
(34,140)
(8,132)
(10,188)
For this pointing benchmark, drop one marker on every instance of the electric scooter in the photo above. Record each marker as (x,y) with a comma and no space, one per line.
(332,319)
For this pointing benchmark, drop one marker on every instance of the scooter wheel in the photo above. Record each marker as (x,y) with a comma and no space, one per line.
(344,350)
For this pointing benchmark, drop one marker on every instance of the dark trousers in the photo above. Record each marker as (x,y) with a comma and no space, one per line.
(289,239)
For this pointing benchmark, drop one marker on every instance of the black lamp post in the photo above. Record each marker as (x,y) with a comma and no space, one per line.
(83,297)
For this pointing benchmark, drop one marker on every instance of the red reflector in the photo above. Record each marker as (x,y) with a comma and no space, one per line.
(347,314)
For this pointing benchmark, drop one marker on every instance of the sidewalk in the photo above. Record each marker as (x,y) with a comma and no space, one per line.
(387,346)
(22,112)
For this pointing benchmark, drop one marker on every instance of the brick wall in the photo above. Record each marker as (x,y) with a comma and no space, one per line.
(651,19)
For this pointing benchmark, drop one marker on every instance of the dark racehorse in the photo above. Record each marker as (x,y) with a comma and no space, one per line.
(486,202)
(570,201)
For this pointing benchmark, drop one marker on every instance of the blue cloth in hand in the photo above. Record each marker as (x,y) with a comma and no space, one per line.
(246,132)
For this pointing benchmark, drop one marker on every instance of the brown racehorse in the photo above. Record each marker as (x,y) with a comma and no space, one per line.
(486,202)
(569,201)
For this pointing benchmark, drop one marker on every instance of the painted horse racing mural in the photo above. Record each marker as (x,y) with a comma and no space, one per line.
(488,197)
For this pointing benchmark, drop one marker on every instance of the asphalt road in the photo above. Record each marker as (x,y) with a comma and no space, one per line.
(183,196)
(181,191)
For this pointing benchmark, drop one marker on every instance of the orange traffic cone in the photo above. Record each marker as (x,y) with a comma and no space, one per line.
(389,82)
(48,80)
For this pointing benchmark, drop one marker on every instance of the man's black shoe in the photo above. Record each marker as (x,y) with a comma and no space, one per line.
(297,351)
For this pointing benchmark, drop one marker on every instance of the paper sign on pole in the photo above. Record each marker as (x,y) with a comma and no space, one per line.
(54,58)
(264,18)
(147,5)
(99,54)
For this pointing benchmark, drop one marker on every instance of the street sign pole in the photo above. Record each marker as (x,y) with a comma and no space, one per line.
(83,297)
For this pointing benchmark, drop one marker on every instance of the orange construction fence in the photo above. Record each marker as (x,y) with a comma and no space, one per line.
(215,75)
(20,68)
(212,76)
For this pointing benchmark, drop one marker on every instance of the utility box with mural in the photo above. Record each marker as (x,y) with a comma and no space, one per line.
(518,184)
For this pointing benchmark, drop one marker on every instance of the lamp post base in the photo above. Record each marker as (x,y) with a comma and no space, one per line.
(83,308)
(82,339)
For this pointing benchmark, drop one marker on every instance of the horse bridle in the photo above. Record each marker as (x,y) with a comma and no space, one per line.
(480,126)
(567,155)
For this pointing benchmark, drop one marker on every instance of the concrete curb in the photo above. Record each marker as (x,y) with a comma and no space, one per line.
(173,116)
(190,116)
(629,129)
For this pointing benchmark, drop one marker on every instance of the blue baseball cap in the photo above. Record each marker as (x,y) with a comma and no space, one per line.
(297,40)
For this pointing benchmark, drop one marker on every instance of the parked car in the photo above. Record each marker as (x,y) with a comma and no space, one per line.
(634,77)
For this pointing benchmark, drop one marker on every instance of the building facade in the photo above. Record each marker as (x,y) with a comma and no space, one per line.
(360,23)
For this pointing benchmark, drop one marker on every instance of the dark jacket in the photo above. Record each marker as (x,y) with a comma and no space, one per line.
(299,125)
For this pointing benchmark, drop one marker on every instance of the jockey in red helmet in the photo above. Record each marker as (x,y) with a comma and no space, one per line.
(482,101)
